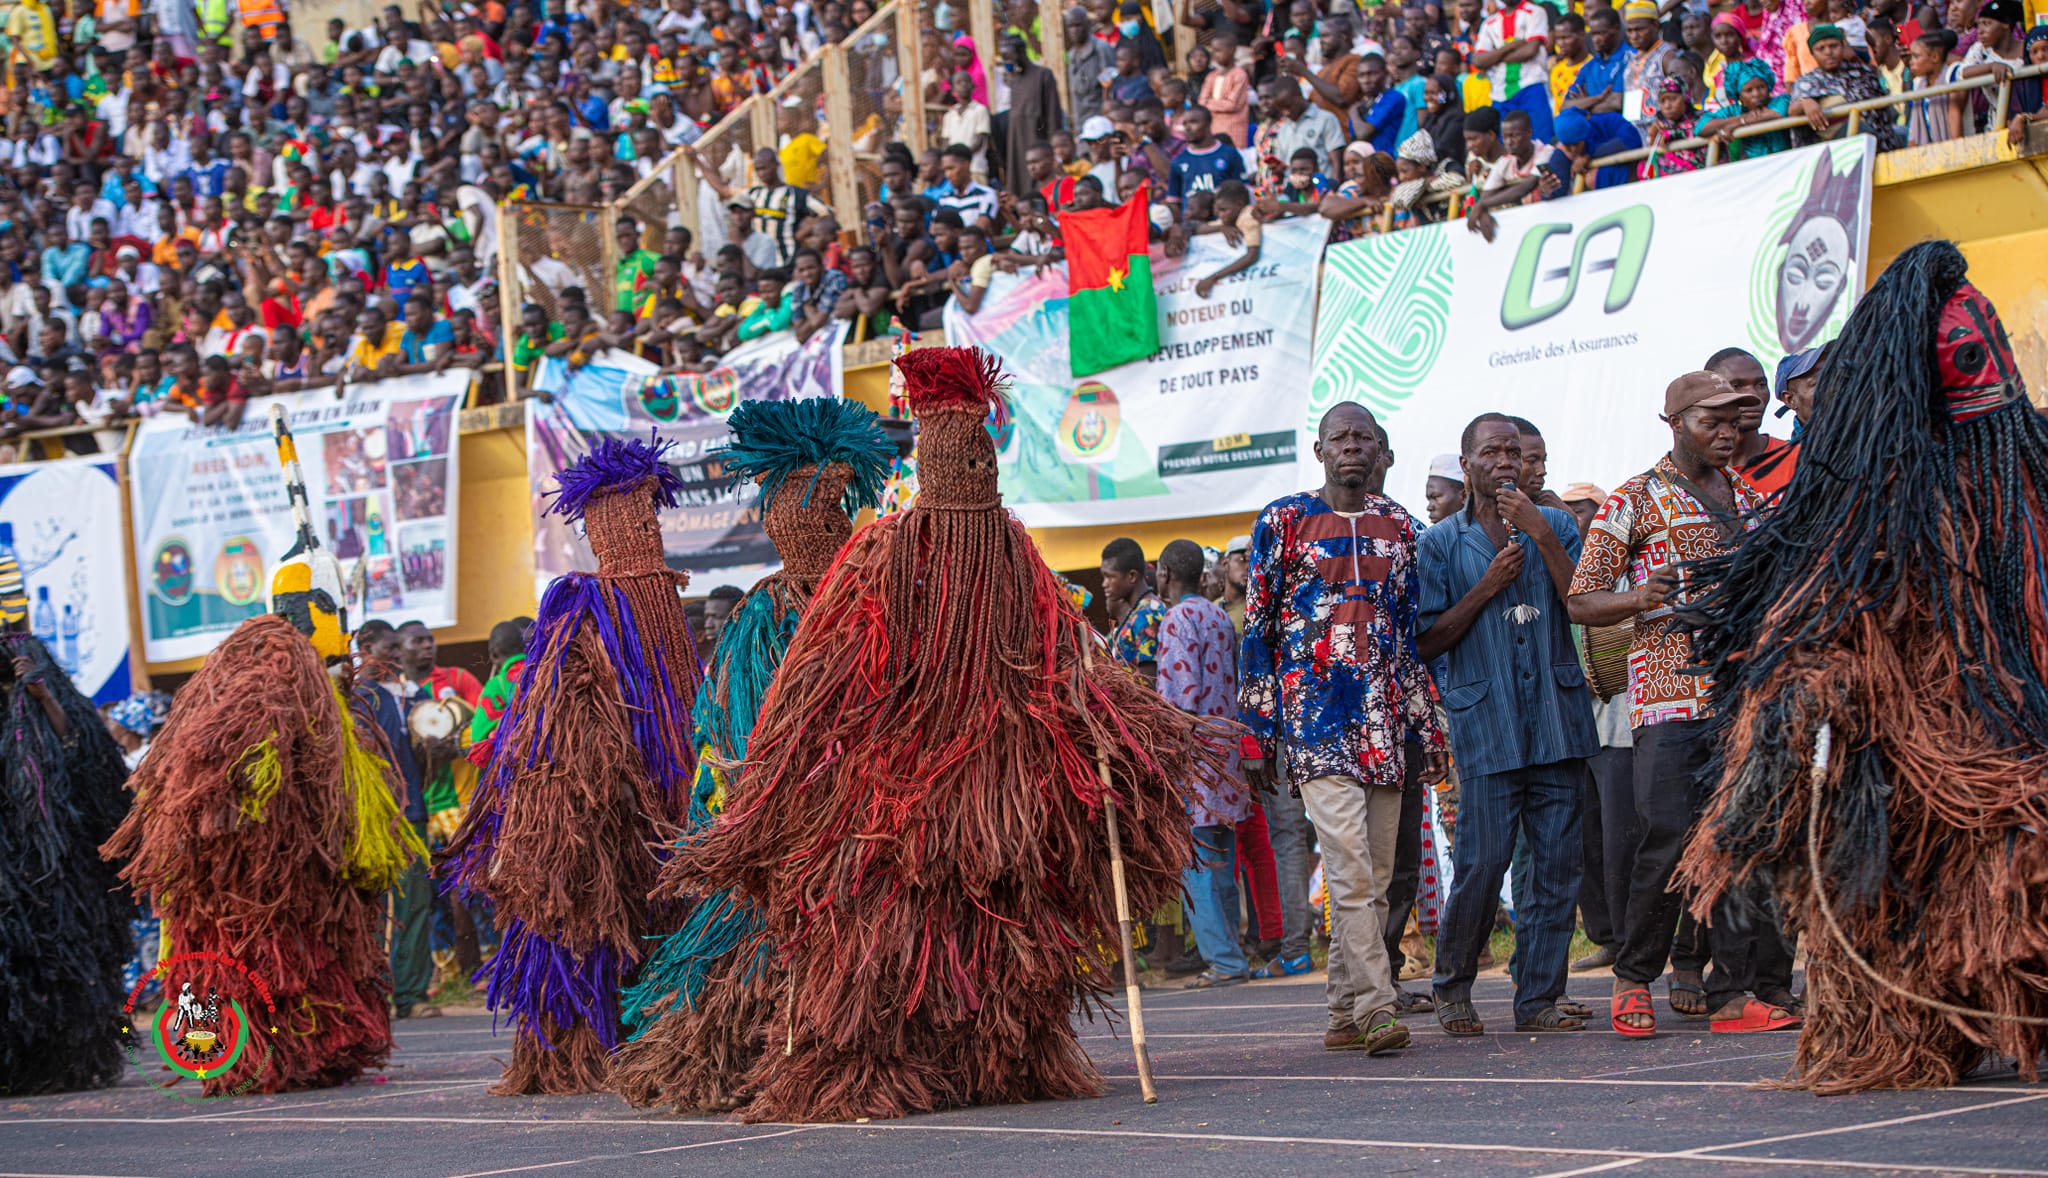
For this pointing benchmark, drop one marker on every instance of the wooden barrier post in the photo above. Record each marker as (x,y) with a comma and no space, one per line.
(1052,49)
(842,169)
(910,66)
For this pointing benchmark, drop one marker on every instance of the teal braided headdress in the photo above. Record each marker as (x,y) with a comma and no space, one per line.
(772,439)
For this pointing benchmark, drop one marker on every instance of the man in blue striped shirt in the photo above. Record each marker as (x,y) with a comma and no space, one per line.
(1494,578)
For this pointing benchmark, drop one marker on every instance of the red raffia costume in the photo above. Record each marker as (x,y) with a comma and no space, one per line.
(267,828)
(920,823)
(1896,599)
(588,772)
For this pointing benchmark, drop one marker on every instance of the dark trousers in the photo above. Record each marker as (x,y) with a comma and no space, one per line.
(412,933)
(1593,908)
(1670,792)
(1614,783)
(1542,802)
(1407,880)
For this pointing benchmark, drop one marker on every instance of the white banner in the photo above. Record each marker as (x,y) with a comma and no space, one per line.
(1580,311)
(714,531)
(62,520)
(1205,425)
(211,517)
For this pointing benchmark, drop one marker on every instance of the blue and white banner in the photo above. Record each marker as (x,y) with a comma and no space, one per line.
(63,521)
(212,518)
(714,533)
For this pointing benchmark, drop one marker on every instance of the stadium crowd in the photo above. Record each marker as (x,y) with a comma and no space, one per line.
(202,203)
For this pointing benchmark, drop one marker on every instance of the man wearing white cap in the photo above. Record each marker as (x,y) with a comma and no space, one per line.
(1101,140)
(1445,488)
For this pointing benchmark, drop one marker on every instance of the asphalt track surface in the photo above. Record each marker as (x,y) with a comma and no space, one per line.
(1245,1089)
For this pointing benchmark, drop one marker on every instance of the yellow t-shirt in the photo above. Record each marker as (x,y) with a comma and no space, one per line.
(1562,74)
(33,30)
(800,160)
(366,355)
(1478,91)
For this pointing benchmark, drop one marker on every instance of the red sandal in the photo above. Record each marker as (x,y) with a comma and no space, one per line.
(1634,1002)
(1756,1016)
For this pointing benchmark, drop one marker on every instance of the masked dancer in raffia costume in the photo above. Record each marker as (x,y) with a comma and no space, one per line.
(589,771)
(1895,602)
(920,817)
(699,1007)
(267,827)
(64,917)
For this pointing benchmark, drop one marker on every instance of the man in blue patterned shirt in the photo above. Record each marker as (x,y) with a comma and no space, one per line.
(1137,610)
(1329,670)
(1494,580)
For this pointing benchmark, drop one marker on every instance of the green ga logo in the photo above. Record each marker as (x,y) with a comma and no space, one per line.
(1518,306)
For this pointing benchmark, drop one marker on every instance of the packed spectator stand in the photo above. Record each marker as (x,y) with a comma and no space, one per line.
(206,204)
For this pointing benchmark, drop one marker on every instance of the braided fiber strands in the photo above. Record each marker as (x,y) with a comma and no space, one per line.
(921,820)
(701,1005)
(266,828)
(589,773)
(1896,596)
(63,914)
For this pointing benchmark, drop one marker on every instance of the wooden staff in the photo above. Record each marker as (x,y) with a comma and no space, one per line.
(1123,903)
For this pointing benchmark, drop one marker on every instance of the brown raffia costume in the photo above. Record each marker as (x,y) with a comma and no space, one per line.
(921,820)
(1895,599)
(588,772)
(700,1008)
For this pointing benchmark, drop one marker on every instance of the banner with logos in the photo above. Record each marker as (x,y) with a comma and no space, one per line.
(1580,311)
(1205,425)
(212,518)
(714,532)
(61,520)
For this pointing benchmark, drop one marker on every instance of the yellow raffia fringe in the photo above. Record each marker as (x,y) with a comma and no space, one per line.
(263,774)
(381,843)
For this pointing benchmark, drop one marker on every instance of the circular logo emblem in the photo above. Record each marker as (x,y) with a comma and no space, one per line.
(206,1027)
(657,396)
(1088,426)
(238,571)
(170,574)
(719,391)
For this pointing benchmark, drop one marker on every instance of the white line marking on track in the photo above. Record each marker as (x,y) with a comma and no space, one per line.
(612,1157)
(1884,1124)
(443,1086)
(1620,1164)
(25,1174)
(1712,1154)
(1691,1063)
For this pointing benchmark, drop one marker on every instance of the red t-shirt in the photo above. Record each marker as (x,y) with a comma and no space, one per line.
(457,682)
(1771,470)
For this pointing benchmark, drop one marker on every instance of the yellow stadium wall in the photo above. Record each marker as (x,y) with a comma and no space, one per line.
(1995,205)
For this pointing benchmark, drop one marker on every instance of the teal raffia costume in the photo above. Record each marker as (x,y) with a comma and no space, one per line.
(699,1008)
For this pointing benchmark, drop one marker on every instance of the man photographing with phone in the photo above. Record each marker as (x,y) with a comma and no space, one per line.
(1686,508)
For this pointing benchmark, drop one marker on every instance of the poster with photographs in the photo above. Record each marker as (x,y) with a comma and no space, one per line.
(212,520)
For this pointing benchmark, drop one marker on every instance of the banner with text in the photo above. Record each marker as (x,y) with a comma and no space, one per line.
(212,518)
(714,532)
(1580,311)
(1205,425)
(61,521)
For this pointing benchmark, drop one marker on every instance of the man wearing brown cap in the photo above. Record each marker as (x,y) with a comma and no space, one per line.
(1685,508)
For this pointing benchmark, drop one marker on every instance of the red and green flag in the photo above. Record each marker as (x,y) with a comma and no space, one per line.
(1112,311)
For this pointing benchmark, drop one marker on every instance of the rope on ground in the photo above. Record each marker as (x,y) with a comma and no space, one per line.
(1823,741)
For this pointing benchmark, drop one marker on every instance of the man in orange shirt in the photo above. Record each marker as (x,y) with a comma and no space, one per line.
(1767,462)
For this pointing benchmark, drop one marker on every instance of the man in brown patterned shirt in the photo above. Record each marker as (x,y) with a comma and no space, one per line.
(1681,510)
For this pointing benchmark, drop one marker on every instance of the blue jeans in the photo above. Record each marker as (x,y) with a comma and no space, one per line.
(1541,801)
(1211,882)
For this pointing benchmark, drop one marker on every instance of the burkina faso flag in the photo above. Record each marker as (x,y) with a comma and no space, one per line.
(1112,311)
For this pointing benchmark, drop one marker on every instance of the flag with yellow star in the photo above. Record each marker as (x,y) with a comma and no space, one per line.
(1112,311)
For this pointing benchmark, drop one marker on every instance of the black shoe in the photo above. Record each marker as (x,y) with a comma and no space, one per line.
(1185,967)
